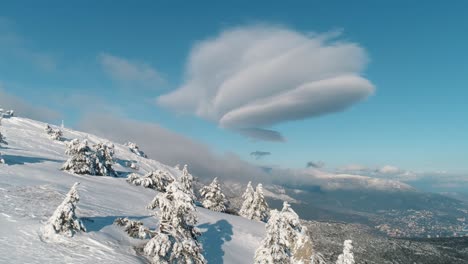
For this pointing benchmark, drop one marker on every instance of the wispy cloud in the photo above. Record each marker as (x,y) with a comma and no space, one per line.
(248,79)
(259,154)
(132,72)
(13,45)
(315,164)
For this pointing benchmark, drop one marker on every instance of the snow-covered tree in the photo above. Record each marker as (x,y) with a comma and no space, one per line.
(213,197)
(6,113)
(2,141)
(259,209)
(285,239)
(82,158)
(54,133)
(135,149)
(135,229)
(132,165)
(104,159)
(64,219)
(175,240)
(347,257)
(248,197)
(186,181)
(158,180)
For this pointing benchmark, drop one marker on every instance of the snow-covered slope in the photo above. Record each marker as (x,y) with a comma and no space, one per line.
(32,186)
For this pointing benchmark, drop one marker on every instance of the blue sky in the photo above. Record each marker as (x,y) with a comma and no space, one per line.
(52,55)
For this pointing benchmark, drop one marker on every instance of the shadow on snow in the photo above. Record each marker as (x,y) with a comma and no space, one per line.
(96,223)
(213,239)
(21,160)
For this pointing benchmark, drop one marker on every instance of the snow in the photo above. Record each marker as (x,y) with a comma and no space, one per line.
(32,186)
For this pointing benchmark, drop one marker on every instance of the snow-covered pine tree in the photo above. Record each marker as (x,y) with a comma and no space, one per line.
(64,219)
(48,129)
(175,240)
(213,197)
(2,141)
(248,197)
(134,229)
(158,180)
(286,240)
(55,134)
(6,113)
(259,210)
(135,149)
(82,158)
(347,257)
(274,247)
(104,159)
(186,181)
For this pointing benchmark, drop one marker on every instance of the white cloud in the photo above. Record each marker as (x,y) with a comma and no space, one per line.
(121,69)
(251,78)
(26,109)
(389,169)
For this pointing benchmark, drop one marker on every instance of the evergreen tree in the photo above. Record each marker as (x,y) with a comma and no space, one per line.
(347,257)
(286,240)
(158,180)
(64,219)
(213,197)
(247,206)
(259,210)
(104,159)
(134,229)
(82,158)
(55,134)
(175,240)
(186,181)
(135,149)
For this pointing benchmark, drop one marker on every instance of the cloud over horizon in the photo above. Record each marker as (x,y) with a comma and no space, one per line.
(248,79)
(23,108)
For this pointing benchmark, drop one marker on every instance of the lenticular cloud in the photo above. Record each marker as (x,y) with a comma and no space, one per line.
(251,78)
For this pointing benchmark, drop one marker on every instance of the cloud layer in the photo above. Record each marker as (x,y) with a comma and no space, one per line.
(25,109)
(251,78)
(121,69)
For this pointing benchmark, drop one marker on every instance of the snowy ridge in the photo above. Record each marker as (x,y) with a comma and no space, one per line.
(32,186)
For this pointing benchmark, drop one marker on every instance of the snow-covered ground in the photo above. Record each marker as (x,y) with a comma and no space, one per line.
(32,186)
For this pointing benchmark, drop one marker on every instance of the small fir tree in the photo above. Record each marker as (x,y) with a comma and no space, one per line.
(64,219)
(347,257)
(157,180)
(135,149)
(213,197)
(134,229)
(82,158)
(247,206)
(55,134)
(104,159)
(286,240)
(175,240)
(186,181)
(259,210)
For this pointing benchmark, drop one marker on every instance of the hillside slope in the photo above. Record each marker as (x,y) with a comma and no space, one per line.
(32,186)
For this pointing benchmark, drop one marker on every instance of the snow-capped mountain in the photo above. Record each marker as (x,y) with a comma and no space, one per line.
(32,186)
